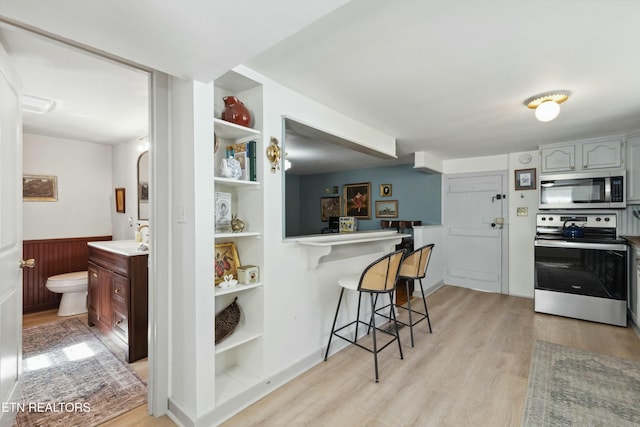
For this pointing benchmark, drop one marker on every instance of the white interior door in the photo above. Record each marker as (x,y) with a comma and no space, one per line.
(473,219)
(10,239)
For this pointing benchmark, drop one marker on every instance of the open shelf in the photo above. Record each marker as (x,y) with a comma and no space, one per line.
(233,381)
(237,288)
(236,182)
(240,336)
(231,235)
(230,130)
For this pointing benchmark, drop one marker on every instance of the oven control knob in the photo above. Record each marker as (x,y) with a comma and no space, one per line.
(606,219)
(598,219)
(550,218)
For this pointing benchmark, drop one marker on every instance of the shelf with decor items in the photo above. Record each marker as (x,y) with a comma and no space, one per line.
(239,356)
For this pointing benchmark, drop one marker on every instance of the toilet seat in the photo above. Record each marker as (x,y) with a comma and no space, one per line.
(68,281)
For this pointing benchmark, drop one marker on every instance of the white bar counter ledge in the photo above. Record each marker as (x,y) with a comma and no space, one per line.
(323,248)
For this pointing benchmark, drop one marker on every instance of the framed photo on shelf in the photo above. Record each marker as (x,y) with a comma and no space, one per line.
(525,179)
(386,209)
(385,190)
(226,261)
(329,206)
(357,200)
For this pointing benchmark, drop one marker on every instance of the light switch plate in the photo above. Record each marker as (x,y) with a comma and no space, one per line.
(523,211)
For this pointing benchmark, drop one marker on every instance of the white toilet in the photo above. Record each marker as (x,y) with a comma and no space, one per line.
(73,287)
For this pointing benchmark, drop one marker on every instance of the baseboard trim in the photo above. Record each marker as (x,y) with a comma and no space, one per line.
(429,290)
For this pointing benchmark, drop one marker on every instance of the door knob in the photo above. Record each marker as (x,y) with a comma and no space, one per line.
(30,263)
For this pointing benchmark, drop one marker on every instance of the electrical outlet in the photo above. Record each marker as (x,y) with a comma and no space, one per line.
(522,211)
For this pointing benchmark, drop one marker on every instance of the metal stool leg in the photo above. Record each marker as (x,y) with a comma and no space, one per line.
(426,311)
(409,309)
(333,327)
(375,344)
(358,317)
(395,323)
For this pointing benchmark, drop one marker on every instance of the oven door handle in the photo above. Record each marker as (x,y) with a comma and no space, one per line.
(579,245)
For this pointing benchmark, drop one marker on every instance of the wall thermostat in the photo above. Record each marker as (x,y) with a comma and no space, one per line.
(525,158)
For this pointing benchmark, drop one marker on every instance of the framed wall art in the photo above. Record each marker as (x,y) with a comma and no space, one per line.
(386,209)
(525,179)
(329,206)
(357,200)
(120,200)
(385,190)
(226,261)
(39,188)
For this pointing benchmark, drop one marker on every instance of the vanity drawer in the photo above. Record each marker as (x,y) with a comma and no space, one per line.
(120,292)
(120,325)
(109,260)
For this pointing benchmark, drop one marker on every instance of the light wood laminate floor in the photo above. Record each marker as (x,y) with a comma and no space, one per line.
(471,371)
(137,417)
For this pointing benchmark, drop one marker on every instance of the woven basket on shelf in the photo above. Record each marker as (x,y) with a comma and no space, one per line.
(227,320)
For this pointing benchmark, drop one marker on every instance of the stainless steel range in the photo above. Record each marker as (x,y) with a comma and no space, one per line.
(581,267)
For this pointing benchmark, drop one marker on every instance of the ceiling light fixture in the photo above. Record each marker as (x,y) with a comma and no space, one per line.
(547,105)
(33,104)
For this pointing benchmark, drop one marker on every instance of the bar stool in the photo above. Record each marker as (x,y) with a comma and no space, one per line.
(414,267)
(378,278)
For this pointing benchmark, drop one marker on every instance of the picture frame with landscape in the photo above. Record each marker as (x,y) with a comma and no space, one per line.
(386,209)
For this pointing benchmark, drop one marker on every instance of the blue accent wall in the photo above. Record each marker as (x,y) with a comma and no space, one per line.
(418,195)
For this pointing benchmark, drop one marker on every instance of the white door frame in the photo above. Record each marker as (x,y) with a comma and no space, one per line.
(504,284)
(159,224)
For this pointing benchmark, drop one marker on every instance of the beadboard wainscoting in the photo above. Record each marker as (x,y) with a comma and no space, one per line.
(53,256)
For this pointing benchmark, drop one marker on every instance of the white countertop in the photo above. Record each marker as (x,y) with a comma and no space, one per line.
(122,247)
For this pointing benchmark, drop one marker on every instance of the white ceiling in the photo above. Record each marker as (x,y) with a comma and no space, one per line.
(446,77)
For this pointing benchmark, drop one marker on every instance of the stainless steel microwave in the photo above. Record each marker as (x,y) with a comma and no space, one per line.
(587,190)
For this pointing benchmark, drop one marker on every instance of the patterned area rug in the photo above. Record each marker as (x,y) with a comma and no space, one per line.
(571,387)
(71,378)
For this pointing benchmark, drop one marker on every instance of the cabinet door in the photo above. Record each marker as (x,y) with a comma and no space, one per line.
(104,309)
(558,159)
(94,294)
(602,154)
(633,166)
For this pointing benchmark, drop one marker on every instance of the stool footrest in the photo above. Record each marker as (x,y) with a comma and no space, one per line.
(413,323)
(354,340)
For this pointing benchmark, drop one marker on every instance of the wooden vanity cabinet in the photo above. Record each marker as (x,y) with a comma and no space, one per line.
(118,299)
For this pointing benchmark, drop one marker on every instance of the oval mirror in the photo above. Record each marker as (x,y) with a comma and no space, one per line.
(143,186)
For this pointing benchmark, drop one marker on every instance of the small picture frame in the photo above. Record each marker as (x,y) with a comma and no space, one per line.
(120,200)
(39,188)
(525,179)
(385,190)
(357,200)
(329,206)
(386,209)
(226,261)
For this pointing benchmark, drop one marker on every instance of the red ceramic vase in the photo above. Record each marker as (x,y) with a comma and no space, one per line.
(235,111)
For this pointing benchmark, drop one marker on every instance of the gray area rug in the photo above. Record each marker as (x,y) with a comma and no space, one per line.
(571,387)
(71,378)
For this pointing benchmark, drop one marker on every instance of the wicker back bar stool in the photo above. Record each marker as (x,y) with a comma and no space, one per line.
(378,278)
(414,267)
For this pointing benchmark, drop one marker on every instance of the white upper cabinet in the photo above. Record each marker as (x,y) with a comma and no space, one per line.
(586,155)
(607,154)
(633,169)
(558,158)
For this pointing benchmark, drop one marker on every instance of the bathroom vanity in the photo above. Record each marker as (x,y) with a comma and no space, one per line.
(118,294)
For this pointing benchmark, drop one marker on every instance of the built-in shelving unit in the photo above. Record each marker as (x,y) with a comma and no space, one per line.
(239,357)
